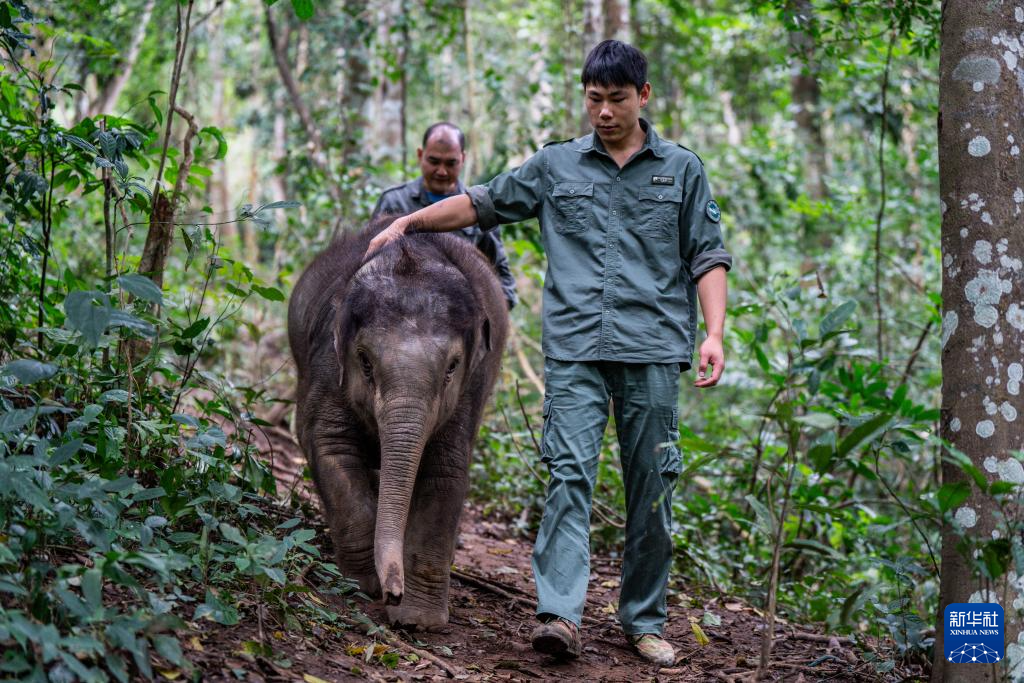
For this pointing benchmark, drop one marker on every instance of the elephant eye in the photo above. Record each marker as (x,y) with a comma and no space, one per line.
(366,365)
(450,372)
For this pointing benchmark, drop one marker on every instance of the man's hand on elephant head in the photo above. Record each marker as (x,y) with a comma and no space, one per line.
(388,235)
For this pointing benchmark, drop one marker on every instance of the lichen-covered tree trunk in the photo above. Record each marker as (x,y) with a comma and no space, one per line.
(981,126)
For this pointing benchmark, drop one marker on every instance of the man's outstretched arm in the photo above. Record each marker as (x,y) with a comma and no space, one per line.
(448,214)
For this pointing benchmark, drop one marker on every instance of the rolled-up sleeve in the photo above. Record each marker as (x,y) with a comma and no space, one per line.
(700,236)
(512,196)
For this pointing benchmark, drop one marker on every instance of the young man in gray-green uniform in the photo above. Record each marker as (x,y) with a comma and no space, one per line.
(632,237)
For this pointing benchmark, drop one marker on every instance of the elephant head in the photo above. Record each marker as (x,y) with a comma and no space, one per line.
(408,337)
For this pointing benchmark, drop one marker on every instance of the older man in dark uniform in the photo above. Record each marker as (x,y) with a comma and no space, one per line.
(441,158)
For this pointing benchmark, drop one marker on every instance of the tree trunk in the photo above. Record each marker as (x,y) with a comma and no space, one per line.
(616,20)
(357,87)
(387,100)
(806,95)
(220,189)
(111,90)
(472,139)
(980,177)
(593,24)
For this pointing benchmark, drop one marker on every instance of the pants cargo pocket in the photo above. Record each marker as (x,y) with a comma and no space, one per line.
(545,433)
(671,458)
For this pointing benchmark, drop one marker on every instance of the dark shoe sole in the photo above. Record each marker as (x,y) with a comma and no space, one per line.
(553,644)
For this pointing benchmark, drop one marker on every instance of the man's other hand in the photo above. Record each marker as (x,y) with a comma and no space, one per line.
(711,353)
(388,235)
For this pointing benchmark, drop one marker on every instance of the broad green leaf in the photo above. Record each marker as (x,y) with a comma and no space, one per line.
(995,555)
(28,371)
(114,396)
(817,420)
(232,534)
(953,494)
(276,575)
(65,452)
(303,9)
(80,143)
(88,312)
(835,318)
(269,293)
(132,322)
(92,588)
(149,494)
(814,546)
(195,329)
(1002,488)
(822,452)
(169,648)
(142,287)
(13,420)
(711,619)
(766,521)
(118,485)
(303,535)
(868,429)
(289,204)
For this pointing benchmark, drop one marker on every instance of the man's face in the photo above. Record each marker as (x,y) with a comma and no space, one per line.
(441,162)
(614,111)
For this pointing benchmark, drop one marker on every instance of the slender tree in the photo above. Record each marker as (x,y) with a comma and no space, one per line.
(981,177)
(806,94)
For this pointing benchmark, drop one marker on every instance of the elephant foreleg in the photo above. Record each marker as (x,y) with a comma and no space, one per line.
(347,488)
(430,535)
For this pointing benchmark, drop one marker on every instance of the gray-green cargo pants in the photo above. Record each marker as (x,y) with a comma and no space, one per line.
(644,404)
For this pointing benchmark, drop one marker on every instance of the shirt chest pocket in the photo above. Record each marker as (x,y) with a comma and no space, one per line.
(659,211)
(574,206)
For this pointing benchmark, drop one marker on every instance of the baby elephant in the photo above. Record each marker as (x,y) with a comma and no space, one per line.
(396,359)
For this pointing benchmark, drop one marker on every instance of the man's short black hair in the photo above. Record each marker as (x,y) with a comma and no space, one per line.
(613,63)
(445,124)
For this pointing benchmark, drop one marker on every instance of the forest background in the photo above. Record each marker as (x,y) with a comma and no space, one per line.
(127,403)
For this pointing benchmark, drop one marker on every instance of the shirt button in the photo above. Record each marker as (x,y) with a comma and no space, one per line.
(614,212)
(661,196)
(618,179)
(572,191)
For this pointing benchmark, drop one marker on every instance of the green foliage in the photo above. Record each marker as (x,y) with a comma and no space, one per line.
(125,404)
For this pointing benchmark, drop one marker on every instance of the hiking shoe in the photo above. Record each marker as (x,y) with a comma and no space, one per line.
(557,637)
(653,648)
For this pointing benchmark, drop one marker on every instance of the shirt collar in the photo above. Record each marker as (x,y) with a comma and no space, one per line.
(419,192)
(592,142)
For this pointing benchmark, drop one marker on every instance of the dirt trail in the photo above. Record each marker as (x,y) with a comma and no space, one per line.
(492,608)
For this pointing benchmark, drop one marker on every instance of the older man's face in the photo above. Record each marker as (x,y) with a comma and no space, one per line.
(441,162)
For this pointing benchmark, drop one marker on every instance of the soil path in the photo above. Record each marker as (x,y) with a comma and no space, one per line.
(492,614)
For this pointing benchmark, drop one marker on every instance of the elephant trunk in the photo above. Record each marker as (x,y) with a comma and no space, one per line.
(403,436)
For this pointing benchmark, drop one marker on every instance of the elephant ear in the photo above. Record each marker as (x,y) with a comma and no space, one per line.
(482,343)
(341,361)
(485,333)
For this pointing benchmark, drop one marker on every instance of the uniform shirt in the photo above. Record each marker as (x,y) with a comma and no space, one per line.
(402,200)
(625,246)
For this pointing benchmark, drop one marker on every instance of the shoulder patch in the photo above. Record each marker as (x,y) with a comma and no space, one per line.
(691,152)
(557,142)
(714,213)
